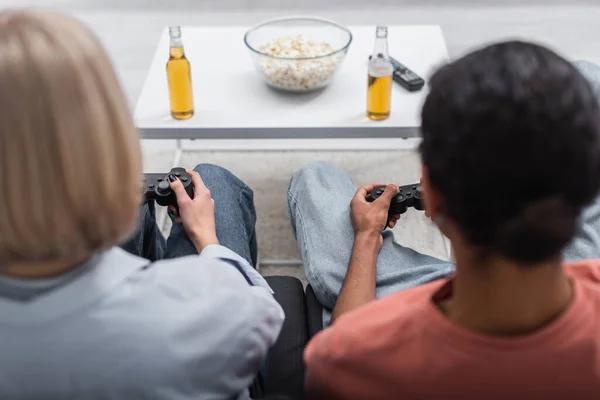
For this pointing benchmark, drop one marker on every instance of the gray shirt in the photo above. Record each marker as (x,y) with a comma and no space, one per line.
(120,327)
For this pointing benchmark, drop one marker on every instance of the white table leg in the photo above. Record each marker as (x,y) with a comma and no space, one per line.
(178,155)
(161,212)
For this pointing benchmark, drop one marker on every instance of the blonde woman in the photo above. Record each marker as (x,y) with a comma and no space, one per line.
(80,317)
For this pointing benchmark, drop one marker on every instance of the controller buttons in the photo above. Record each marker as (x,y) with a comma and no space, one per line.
(151,187)
(184,178)
(380,191)
(163,187)
(177,173)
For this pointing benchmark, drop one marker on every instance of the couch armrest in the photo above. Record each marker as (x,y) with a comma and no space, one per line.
(314,312)
(284,372)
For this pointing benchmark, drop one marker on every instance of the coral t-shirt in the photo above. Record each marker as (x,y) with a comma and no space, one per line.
(403,347)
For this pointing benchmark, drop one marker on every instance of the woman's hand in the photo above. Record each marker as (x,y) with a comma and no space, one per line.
(198,214)
(370,218)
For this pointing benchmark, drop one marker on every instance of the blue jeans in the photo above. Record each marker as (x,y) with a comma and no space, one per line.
(235,219)
(319,204)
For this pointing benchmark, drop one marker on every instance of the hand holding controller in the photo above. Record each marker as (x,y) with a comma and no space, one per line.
(156,187)
(408,196)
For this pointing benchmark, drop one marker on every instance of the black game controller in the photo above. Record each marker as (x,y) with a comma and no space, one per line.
(408,196)
(156,187)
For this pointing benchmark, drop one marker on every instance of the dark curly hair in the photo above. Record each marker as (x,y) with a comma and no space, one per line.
(511,140)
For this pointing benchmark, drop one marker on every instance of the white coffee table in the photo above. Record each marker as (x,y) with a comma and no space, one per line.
(233,105)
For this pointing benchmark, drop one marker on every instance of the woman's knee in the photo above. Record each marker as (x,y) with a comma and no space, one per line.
(215,176)
(228,191)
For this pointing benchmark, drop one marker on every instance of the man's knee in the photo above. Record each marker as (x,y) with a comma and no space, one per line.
(592,72)
(213,175)
(587,66)
(315,171)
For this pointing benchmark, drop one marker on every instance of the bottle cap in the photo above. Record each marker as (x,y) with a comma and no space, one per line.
(381,31)
(175,31)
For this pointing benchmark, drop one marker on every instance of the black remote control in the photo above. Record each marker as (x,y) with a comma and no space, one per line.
(408,79)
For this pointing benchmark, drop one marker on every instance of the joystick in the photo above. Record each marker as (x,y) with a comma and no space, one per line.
(407,196)
(156,187)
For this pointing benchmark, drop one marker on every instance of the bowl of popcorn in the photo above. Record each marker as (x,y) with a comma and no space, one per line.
(298,54)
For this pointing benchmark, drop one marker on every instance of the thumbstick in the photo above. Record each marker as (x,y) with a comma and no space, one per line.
(418,203)
(419,192)
(376,193)
(163,187)
(399,204)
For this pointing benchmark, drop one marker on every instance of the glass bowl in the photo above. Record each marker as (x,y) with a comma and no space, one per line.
(298,54)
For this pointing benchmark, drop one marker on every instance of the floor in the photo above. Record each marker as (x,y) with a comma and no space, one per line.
(130,30)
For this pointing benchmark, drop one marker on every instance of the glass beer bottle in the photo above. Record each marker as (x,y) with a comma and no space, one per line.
(379,90)
(179,77)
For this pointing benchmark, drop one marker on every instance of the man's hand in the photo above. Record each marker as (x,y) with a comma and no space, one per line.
(198,214)
(368,219)
(371,217)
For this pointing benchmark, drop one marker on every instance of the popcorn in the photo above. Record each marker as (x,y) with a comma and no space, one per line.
(301,75)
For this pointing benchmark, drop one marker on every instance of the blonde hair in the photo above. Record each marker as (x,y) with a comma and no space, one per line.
(70,162)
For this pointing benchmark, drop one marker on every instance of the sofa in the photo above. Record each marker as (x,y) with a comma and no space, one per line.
(283,373)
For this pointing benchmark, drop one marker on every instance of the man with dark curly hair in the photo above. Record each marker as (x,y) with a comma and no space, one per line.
(511,171)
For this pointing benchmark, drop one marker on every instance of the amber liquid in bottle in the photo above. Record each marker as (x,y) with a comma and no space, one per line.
(379,97)
(379,90)
(179,78)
